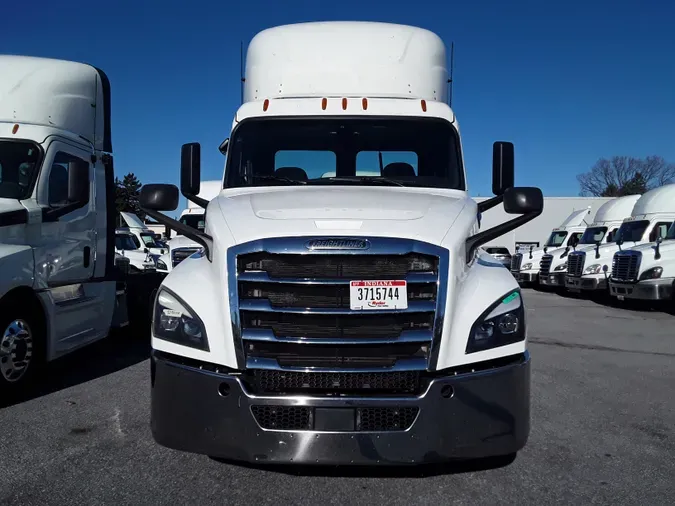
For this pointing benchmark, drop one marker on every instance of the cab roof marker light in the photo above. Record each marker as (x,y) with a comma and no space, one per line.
(15,128)
(266,105)
(424,105)
(344,104)
(364,103)
(324,104)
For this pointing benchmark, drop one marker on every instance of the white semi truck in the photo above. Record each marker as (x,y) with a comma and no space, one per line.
(58,278)
(346,318)
(589,268)
(180,247)
(525,264)
(608,219)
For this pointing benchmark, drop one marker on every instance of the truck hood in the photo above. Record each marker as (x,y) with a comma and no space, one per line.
(606,253)
(667,260)
(666,247)
(180,241)
(416,213)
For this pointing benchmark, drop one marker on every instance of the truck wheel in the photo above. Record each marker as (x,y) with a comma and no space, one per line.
(21,346)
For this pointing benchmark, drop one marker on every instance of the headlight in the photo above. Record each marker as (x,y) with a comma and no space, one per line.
(526,267)
(503,323)
(561,267)
(161,265)
(653,273)
(593,269)
(175,321)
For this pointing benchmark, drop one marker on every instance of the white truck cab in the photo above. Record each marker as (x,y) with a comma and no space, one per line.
(645,272)
(525,264)
(588,268)
(608,219)
(144,237)
(194,216)
(57,213)
(344,319)
(126,245)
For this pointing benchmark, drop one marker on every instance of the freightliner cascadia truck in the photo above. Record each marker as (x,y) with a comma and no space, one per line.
(341,309)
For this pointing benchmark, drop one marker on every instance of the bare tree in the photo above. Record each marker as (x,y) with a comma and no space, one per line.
(611,176)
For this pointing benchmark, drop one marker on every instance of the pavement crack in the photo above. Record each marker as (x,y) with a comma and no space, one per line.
(550,342)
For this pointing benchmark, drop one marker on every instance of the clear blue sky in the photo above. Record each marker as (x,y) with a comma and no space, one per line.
(567,82)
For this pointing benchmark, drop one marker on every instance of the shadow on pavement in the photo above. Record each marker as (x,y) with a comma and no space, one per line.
(403,471)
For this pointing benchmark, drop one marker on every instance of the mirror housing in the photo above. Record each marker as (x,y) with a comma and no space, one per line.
(190,173)
(502,167)
(78,182)
(159,197)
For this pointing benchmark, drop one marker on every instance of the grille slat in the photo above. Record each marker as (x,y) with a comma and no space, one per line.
(180,254)
(516,262)
(625,265)
(575,263)
(545,264)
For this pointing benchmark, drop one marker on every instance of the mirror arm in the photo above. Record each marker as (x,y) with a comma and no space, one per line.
(197,200)
(475,241)
(490,203)
(657,252)
(200,238)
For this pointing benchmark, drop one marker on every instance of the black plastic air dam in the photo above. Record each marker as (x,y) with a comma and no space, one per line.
(488,414)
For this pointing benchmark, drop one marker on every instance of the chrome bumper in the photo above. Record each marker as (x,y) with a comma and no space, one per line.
(652,289)
(487,414)
(525,277)
(553,279)
(581,283)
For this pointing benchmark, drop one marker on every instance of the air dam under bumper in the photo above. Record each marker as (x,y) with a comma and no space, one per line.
(487,415)
(585,283)
(526,277)
(652,289)
(553,279)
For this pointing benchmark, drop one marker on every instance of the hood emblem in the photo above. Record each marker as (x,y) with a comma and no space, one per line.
(337,244)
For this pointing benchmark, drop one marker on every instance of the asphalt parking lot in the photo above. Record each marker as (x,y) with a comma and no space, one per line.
(603,430)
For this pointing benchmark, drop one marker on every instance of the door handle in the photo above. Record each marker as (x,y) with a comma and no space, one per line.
(87,254)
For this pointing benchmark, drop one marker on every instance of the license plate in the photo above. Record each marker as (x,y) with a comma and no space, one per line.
(621,297)
(364,295)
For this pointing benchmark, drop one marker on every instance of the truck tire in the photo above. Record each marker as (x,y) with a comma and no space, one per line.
(22,345)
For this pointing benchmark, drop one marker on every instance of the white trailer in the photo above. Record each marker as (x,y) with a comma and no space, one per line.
(342,318)
(57,213)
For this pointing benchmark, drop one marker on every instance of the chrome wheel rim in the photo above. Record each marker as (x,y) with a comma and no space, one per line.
(16,350)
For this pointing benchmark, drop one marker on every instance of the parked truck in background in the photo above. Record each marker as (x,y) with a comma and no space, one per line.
(608,219)
(588,268)
(344,319)
(59,285)
(646,272)
(525,264)
(194,216)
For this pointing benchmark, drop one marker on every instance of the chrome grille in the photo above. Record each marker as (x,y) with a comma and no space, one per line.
(625,265)
(545,264)
(290,306)
(180,254)
(575,263)
(516,262)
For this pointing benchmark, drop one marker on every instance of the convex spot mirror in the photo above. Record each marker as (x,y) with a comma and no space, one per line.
(523,200)
(159,197)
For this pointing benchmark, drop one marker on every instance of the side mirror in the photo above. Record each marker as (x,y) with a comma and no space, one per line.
(78,182)
(659,240)
(159,197)
(190,168)
(523,200)
(502,167)
(146,250)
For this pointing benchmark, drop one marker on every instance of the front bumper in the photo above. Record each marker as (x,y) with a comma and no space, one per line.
(585,283)
(525,277)
(652,289)
(556,279)
(488,414)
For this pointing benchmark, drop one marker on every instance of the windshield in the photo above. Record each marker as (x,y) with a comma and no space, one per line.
(125,242)
(593,235)
(193,220)
(149,240)
(631,231)
(556,239)
(19,163)
(364,151)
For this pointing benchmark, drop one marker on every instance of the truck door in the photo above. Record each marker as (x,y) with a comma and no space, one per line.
(66,256)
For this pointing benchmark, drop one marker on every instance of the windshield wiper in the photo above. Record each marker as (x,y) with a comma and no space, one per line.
(277,178)
(363,179)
